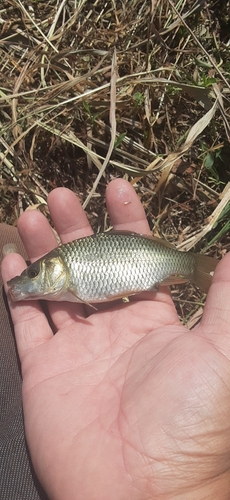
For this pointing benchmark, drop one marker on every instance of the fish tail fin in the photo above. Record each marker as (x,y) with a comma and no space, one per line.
(204,269)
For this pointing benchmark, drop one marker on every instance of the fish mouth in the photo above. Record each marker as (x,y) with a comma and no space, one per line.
(15,295)
(19,290)
(16,292)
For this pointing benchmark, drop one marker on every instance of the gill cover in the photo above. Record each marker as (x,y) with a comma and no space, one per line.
(46,278)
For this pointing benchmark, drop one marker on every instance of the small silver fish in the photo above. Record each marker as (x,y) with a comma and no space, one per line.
(108,266)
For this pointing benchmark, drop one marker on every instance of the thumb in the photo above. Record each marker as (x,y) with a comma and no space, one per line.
(215,322)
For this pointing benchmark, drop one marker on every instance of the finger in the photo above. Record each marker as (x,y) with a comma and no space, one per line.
(30,323)
(127,213)
(215,323)
(71,223)
(68,215)
(36,234)
(125,208)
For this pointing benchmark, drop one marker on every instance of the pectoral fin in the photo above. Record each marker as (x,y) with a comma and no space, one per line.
(73,292)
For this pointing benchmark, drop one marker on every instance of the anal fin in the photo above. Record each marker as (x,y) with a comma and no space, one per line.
(174,280)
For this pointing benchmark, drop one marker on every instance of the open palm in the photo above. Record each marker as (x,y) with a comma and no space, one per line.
(123,403)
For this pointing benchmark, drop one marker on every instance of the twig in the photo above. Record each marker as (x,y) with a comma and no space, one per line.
(113,127)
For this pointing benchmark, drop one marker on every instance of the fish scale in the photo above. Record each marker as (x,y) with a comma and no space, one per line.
(107,266)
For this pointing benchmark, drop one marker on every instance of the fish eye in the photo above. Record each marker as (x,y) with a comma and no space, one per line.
(33,271)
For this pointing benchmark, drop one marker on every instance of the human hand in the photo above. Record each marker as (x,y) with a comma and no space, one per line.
(123,403)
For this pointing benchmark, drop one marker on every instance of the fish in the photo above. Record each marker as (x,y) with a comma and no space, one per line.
(110,265)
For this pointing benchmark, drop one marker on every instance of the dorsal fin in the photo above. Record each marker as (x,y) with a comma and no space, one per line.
(142,235)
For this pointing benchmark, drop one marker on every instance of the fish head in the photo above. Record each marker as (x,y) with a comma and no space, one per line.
(46,278)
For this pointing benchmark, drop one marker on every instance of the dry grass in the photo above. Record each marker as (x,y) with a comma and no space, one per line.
(94,90)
